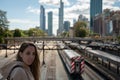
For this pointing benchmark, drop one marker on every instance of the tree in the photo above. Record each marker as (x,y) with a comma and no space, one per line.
(65,34)
(8,33)
(3,25)
(24,33)
(35,32)
(3,20)
(80,29)
(17,33)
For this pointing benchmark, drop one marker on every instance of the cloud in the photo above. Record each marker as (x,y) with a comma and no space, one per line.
(110,4)
(23,24)
(49,2)
(53,2)
(33,10)
(22,21)
(80,7)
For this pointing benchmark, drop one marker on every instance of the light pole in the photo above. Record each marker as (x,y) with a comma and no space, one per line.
(14,44)
(6,46)
(34,35)
(43,54)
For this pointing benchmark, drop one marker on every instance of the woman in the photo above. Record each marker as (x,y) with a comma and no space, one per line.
(26,66)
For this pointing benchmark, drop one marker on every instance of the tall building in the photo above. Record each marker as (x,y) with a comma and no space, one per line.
(99,25)
(82,18)
(116,23)
(61,15)
(66,25)
(50,23)
(74,21)
(42,18)
(95,8)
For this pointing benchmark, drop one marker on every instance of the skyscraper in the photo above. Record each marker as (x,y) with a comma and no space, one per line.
(95,8)
(42,18)
(61,14)
(50,23)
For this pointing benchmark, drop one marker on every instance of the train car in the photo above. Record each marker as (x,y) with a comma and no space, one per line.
(73,61)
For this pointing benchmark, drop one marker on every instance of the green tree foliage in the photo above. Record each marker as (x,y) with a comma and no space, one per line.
(82,32)
(65,34)
(1,39)
(80,29)
(17,33)
(3,21)
(24,33)
(8,33)
(35,32)
(3,25)
(118,38)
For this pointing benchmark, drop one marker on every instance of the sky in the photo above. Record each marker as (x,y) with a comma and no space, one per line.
(25,14)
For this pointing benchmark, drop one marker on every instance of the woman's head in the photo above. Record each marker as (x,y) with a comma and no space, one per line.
(27,53)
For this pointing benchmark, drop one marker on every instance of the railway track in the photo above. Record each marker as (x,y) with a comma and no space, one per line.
(89,73)
(100,66)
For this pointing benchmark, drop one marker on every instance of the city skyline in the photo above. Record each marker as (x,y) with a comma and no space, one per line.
(24,14)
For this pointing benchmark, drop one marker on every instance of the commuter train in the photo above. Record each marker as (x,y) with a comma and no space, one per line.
(74,62)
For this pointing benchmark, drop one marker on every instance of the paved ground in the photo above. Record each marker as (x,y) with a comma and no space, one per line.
(4,60)
(10,56)
(53,68)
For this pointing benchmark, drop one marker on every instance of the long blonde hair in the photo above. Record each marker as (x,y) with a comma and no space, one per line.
(35,66)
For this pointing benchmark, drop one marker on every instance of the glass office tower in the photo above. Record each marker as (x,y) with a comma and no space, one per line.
(61,17)
(95,8)
(42,18)
(50,23)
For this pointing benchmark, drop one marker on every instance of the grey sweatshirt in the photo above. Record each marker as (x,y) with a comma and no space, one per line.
(18,73)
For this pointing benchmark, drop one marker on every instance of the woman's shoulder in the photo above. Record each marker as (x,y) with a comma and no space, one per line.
(18,73)
(18,69)
(7,69)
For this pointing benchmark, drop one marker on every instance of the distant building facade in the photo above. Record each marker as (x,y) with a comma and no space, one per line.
(42,18)
(82,18)
(50,23)
(116,23)
(66,26)
(95,8)
(107,23)
(71,32)
(99,25)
